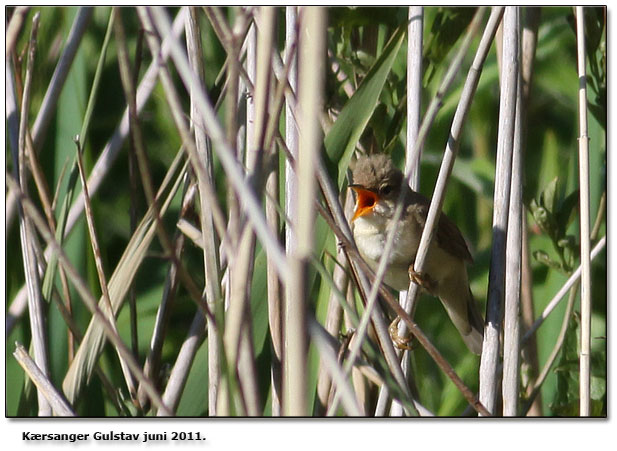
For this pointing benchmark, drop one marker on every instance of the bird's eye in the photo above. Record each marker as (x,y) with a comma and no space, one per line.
(386,189)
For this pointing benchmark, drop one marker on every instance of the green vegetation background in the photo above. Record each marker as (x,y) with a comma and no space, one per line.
(357,37)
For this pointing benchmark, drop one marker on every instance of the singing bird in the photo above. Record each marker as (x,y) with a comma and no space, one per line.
(377,183)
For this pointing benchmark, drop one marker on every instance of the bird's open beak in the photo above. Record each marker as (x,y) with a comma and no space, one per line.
(365,202)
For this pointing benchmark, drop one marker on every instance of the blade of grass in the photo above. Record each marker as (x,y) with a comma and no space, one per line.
(342,138)
(89,350)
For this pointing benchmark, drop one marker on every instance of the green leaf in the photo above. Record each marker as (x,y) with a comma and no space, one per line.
(355,115)
(544,258)
(566,400)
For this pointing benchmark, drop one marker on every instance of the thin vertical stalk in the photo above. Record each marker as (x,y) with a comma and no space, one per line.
(13,28)
(291,140)
(489,362)
(310,89)
(210,241)
(413,153)
(529,363)
(180,372)
(583,163)
(334,314)
(414,93)
(36,303)
(96,251)
(511,336)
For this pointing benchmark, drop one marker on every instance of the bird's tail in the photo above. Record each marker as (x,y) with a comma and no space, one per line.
(469,324)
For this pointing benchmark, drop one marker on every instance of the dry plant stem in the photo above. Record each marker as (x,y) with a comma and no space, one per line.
(44,386)
(106,159)
(234,172)
(274,292)
(74,331)
(239,327)
(119,282)
(36,304)
(530,364)
(14,27)
(340,226)
(511,337)
(414,93)
(537,386)
(184,361)
(334,315)
(562,292)
(310,87)
(534,391)
(413,154)
(133,200)
(583,162)
(208,235)
(291,140)
(48,207)
(328,358)
(31,211)
(153,359)
(96,250)
(489,362)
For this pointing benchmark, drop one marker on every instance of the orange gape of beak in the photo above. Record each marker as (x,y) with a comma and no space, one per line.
(365,203)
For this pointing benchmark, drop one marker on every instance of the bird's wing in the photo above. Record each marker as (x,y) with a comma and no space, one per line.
(448,235)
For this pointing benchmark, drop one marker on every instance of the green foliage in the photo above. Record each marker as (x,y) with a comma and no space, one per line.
(554,213)
(566,400)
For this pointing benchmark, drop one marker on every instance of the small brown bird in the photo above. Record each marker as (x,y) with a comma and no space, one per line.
(377,183)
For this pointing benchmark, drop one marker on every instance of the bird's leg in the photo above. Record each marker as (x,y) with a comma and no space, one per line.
(400,342)
(422,279)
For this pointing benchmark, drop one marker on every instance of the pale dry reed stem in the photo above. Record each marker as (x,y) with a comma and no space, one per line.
(208,232)
(184,362)
(534,390)
(489,361)
(511,336)
(413,154)
(583,163)
(328,358)
(312,47)
(13,28)
(36,303)
(529,363)
(58,403)
(291,140)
